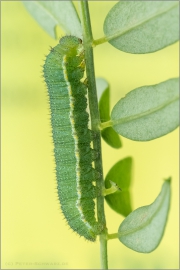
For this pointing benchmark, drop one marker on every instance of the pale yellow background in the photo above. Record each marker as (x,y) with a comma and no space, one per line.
(34,233)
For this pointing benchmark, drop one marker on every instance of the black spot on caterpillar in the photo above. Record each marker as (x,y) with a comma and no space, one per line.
(63,71)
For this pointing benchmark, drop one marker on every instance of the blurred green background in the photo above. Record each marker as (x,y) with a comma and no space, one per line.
(34,232)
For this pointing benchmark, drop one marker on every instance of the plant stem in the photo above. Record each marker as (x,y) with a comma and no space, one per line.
(95,121)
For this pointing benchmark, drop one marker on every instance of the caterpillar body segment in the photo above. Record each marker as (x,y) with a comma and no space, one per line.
(63,72)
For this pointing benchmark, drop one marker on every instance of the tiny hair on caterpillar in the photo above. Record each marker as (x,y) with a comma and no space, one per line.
(76,178)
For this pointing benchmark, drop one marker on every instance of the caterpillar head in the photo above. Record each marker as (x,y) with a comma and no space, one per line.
(70,42)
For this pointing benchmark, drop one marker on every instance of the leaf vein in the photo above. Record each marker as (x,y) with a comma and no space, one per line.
(122,32)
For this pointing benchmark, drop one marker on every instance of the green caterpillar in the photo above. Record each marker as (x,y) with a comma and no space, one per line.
(63,71)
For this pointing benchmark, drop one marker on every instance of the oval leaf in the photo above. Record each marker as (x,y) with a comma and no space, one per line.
(101,85)
(142,26)
(120,174)
(111,137)
(108,134)
(104,101)
(143,229)
(148,112)
(49,14)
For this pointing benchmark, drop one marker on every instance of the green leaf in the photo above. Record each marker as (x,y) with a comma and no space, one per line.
(101,85)
(143,229)
(120,174)
(49,14)
(142,26)
(148,112)
(108,134)
(104,105)
(111,137)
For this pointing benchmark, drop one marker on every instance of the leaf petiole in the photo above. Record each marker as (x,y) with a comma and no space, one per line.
(112,236)
(114,187)
(99,41)
(105,125)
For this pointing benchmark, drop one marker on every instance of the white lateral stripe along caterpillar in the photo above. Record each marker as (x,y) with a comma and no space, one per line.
(63,70)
